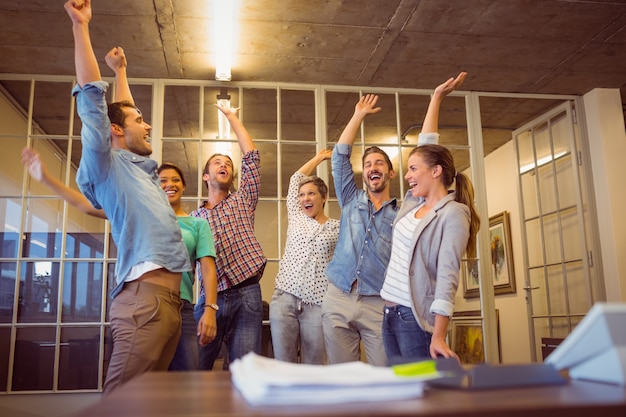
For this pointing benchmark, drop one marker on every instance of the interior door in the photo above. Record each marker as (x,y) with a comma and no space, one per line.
(556,255)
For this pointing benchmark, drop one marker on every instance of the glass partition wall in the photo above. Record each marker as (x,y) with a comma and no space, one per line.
(57,264)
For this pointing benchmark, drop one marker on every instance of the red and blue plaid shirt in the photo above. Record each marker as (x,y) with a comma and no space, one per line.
(238,252)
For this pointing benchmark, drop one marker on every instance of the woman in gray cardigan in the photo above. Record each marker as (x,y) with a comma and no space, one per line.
(432,230)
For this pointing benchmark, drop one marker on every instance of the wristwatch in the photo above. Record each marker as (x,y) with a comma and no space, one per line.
(213,306)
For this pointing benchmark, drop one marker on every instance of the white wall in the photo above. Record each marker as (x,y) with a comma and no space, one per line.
(501,180)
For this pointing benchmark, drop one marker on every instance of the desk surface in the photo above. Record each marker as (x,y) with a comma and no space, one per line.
(212,394)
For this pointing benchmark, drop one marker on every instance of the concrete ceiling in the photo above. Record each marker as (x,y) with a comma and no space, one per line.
(514,46)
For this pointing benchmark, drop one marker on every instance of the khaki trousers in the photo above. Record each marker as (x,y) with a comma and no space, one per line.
(146,326)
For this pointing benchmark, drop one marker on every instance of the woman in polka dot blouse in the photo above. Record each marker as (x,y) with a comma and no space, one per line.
(296,307)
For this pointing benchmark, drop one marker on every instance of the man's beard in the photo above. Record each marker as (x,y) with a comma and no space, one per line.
(383,183)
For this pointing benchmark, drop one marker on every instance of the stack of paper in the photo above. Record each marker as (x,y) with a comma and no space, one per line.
(265,381)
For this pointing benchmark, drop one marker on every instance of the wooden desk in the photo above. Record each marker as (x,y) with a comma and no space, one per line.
(209,394)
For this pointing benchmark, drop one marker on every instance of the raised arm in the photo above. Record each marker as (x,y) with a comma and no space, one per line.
(431,121)
(364,107)
(243,137)
(311,164)
(85,61)
(37,169)
(116,60)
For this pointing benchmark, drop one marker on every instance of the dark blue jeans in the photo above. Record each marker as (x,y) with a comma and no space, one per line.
(186,356)
(403,338)
(239,324)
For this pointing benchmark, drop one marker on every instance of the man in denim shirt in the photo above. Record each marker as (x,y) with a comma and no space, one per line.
(352,311)
(115,174)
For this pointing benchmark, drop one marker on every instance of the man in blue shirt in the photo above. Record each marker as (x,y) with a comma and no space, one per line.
(116,175)
(352,310)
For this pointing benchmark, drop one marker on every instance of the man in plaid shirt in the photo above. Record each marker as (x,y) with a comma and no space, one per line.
(239,258)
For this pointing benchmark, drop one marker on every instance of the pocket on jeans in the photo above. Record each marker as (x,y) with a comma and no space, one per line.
(407,316)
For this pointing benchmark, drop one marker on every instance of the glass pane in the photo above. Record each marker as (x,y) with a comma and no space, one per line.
(33,366)
(534,243)
(8,274)
(81,243)
(10,221)
(258,113)
(297,114)
(561,134)
(212,115)
(552,239)
(571,234)
(108,348)
(381,128)
(82,292)
(565,179)
(78,358)
(284,223)
(577,288)
(42,238)
(560,327)
(412,112)
(529,194)
(547,188)
(525,151)
(339,110)
(142,95)
(334,211)
(269,170)
(51,115)
(11,169)
(538,292)
(292,158)
(266,227)
(556,290)
(39,290)
(12,110)
(112,247)
(541,329)
(184,154)
(5,347)
(181,100)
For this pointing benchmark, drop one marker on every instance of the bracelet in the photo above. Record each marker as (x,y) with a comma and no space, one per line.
(213,306)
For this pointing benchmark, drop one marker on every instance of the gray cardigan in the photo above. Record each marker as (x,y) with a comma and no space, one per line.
(438,243)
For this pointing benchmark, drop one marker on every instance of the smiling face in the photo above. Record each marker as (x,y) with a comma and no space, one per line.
(376,172)
(172,184)
(218,172)
(311,200)
(136,132)
(420,176)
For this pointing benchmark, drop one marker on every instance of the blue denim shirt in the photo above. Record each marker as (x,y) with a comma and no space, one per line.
(126,186)
(364,243)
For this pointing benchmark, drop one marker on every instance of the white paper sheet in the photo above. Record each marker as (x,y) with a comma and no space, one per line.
(265,381)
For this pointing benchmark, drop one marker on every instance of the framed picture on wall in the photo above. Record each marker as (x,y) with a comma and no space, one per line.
(501,260)
(466,336)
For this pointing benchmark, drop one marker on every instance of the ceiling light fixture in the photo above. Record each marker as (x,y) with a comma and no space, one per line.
(223,24)
(223,125)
